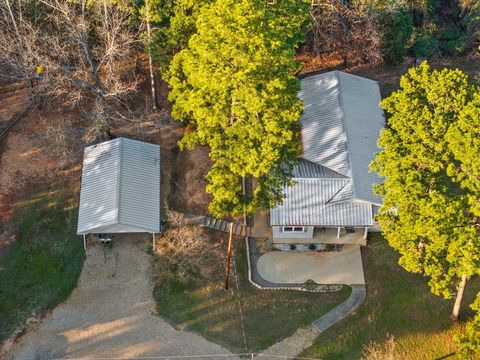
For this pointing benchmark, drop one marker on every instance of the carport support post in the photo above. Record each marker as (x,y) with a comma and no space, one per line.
(338,232)
(153,242)
(365,233)
(84,243)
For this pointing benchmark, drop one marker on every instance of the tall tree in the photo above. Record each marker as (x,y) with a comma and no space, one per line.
(174,22)
(428,215)
(234,87)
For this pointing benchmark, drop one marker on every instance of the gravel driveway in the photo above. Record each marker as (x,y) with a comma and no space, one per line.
(111,314)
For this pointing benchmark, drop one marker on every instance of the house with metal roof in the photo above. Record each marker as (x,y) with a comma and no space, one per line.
(120,188)
(332,185)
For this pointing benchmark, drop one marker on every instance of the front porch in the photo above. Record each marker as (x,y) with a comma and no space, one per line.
(328,236)
(314,235)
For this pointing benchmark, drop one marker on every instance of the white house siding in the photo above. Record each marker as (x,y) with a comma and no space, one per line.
(279,234)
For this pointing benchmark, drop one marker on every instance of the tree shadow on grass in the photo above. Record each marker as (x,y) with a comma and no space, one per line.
(398,304)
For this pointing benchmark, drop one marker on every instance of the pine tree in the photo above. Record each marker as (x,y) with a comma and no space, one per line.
(234,87)
(429,213)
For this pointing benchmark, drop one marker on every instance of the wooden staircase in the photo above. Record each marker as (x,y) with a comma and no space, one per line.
(222,225)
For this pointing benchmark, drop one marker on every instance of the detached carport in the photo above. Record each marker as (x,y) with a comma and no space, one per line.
(120,190)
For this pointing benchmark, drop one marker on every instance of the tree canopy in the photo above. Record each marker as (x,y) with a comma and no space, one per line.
(234,86)
(431,224)
(430,189)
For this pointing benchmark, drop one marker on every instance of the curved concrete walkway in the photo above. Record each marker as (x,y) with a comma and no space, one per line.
(304,337)
(356,299)
(111,314)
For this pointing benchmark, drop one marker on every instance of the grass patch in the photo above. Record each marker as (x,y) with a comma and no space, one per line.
(398,304)
(200,304)
(42,266)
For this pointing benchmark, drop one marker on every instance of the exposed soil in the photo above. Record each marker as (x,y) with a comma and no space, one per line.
(190,169)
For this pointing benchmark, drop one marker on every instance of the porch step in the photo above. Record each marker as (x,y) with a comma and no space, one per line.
(224,226)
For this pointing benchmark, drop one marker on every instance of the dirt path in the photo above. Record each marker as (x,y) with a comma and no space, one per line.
(111,314)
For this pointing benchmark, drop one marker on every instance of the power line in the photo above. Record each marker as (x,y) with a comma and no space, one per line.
(249,355)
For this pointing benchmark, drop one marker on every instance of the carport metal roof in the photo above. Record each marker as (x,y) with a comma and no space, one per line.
(120,190)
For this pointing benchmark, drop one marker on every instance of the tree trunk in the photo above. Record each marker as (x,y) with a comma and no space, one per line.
(150,60)
(459,298)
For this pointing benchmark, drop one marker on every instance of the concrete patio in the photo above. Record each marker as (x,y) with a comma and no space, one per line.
(328,267)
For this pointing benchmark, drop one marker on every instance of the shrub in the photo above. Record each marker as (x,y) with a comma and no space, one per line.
(452,40)
(471,22)
(396,28)
(386,351)
(311,247)
(425,43)
(293,246)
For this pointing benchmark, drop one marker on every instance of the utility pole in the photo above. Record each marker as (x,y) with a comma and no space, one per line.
(229,255)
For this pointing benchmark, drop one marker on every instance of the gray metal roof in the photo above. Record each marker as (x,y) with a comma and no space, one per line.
(120,190)
(307,203)
(307,169)
(341,122)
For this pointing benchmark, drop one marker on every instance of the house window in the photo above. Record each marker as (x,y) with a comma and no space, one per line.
(295,229)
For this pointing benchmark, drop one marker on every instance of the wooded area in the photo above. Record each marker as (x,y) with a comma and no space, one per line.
(228,72)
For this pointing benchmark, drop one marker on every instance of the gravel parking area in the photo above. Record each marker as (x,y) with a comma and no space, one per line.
(111,314)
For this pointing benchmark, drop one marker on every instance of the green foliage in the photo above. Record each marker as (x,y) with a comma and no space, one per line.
(426,214)
(471,21)
(174,24)
(425,43)
(464,140)
(397,28)
(234,87)
(452,40)
(470,341)
(43,265)
(439,27)
(428,41)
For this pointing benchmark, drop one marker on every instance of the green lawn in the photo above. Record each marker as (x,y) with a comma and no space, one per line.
(43,265)
(269,315)
(398,304)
